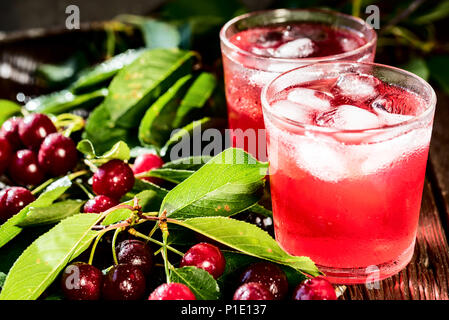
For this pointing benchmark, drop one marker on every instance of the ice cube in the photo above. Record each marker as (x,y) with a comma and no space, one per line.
(299,48)
(356,87)
(292,111)
(348,44)
(323,160)
(348,117)
(386,110)
(312,99)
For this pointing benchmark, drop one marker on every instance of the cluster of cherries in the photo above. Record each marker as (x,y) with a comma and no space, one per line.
(31,149)
(127,279)
(115,178)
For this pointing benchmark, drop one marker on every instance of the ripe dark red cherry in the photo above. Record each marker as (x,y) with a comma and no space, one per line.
(5,154)
(172,291)
(12,200)
(81,281)
(269,275)
(124,282)
(318,288)
(99,204)
(34,129)
(207,257)
(24,168)
(136,253)
(147,162)
(10,130)
(252,291)
(57,155)
(113,179)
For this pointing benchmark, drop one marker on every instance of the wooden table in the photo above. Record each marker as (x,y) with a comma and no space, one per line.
(427,275)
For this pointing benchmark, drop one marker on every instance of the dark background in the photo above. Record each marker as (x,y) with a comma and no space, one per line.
(26,14)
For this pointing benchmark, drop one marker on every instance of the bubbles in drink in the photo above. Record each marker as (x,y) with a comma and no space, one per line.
(348,117)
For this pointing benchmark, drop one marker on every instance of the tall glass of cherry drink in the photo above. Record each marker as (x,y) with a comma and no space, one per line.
(348,145)
(257,47)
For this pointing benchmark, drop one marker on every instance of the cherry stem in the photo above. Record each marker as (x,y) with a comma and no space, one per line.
(94,246)
(114,239)
(164,254)
(136,233)
(82,187)
(50,181)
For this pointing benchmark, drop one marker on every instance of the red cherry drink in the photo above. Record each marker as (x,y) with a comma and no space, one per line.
(252,56)
(348,148)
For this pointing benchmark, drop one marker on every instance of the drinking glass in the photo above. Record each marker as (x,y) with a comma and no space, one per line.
(246,73)
(349,198)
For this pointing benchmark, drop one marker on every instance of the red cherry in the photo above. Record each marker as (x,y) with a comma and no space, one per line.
(57,154)
(81,281)
(113,179)
(172,291)
(147,162)
(24,168)
(34,129)
(124,282)
(252,291)
(12,200)
(136,253)
(99,204)
(269,275)
(318,288)
(207,257)
(5,154)
(10,130)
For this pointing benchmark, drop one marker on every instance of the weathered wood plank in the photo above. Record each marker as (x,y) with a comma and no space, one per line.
(439,153)
(427,275)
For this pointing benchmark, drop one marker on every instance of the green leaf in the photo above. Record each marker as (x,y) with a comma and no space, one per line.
(151,201)
(188,163)
(119,151)
(102,132)
(196,97)
(43,260)
(139,84)
(103,72)
(148,200)
(8,109)
(418,66)
(439,70)
(184,134)
(2,279)
(200,282)
(116,216)
(440,11)
(52,214)
(171,175)
(257,208)
(65,101)
(248,239)
(229,183)
(137,151)
(9,229)
(59,75)
(158,34)
(157,124)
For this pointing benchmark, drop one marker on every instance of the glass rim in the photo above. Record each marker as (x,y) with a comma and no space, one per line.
(314,128)
(225,40)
